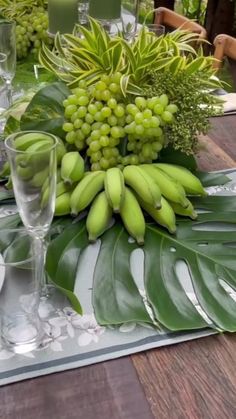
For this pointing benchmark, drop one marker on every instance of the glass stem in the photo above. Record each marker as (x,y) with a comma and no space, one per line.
(40,248)
(9,93)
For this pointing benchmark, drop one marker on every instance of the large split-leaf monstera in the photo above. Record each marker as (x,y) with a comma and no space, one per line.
(208,252)
(200,295)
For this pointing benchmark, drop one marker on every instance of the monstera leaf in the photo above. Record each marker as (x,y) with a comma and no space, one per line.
(45,112)
(188,279)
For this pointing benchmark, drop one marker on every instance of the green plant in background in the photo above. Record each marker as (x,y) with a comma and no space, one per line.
(193,9)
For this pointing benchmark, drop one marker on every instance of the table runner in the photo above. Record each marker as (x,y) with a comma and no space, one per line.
(71,341)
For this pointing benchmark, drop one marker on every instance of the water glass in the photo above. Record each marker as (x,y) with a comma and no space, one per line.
(129,17)
(7,55)
(156,28)
(19,292)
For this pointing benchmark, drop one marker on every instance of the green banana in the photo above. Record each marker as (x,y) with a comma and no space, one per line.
(61,188)
(164,216)
(187,212)
(62,205)
(86,190)
(35,154)
(25,173)
(6,170)
(99,216)
(132,216)
(188,180)
(60,150)
(39,178)
(170,188)
(72,167)
(114,187)
(24,141)
(143,184)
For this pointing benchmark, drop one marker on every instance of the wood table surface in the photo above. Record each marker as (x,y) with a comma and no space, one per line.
(195,379)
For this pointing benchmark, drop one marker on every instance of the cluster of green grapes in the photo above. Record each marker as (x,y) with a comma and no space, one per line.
(31,31)
(99,121)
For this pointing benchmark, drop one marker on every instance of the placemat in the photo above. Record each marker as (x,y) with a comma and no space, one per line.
(71,341)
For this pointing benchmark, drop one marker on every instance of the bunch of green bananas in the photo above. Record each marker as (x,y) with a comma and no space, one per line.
(159,189)
(31,143)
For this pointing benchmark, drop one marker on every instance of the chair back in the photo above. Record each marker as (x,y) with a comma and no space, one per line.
(174,20)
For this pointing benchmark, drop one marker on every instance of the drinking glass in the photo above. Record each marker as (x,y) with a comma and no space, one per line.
(156,28)
(19,292)
(32,157)
(129,18)
(7,56)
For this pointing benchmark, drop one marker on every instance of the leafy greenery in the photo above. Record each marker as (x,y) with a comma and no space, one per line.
(195,106)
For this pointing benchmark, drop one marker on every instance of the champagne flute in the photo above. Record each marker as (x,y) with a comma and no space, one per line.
(32,158)
(8,55)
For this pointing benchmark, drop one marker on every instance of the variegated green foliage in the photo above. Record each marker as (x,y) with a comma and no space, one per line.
(87,54)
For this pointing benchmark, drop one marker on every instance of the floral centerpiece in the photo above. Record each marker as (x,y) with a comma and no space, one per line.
(128,118)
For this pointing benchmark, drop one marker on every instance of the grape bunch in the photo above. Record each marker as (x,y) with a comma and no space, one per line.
(31,31)
(99,120)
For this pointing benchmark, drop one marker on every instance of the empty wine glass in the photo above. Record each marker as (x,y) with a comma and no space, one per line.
(32,157)
(7,56)
(129,17)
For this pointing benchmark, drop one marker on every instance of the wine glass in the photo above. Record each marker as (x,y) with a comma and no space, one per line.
(7,56)
(129,18)
(32,158)
(156,29)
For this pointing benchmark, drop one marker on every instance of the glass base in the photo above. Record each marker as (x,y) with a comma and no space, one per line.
(21,333)
(51,300)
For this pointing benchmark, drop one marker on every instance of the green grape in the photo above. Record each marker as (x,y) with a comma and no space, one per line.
(140,102)
(104,163)
(112,103)
(95,135)
(115,78)
(119,111)
(82,110)
(106,95)
(154,122)
(106,151)
(112,161)
(95,167)
(134,159)
(79,144)
(95,146)
(129,118)
(70,137)
(89,118)
(92,109)
(172,108)
(115,132)
(106,111)
(114,87)
(101,85)
(138,117)
(68,127)
(106,79)
(163,100)
(167,116)
(95,157)
(158,109)
(147,113)
(99,105)
(83,100)
(99,117)
(112,120)
(146,123)
(139,129)
(86,128)
(105,129)
(104,141)
(78,123)
(69,110)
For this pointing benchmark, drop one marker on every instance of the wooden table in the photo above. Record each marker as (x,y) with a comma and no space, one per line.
(193,380)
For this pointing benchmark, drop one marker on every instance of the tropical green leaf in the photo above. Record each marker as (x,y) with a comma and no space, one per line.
(205,254)
(212,179)
(170,155)
(45,112)
(62,260)
(116,298)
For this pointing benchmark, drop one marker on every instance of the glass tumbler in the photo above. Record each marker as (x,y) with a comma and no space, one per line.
(19,292)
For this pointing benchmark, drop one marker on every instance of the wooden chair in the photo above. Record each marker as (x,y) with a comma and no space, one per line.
(225,46)
(173,20)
